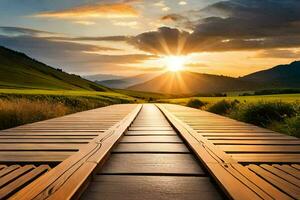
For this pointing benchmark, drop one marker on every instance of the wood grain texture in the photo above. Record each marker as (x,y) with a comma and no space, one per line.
(152,163)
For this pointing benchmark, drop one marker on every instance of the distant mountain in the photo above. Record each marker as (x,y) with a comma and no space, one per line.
(192,83)
(281,76)
(127,82)
(20,71)
(103,77)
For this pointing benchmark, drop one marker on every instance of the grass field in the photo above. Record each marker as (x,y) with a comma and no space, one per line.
(290,98)
(144,95)
(18,106)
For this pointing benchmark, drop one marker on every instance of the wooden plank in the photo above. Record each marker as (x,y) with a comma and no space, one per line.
(269,191)
(214,160)
(143,133)
(284,185)
(163,164)
(44,137)
(281,174)
(33,156)
(256,142)
(260,148)
(150,148)
(43,140)
(262,138)
(296,166)
(150,129)
(53,133)
(9,169)
(40,147)
(267,158)
(16,173)
(145,139)
(288,169)
(151,187)
(12,187)
(68,178)
(240,134)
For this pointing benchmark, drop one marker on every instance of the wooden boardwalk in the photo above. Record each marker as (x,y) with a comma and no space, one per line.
(147,151)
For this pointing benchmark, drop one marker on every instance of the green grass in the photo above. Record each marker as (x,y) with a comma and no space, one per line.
(144,95)
(290,98)
(20,71)
(70,93)
(19,106)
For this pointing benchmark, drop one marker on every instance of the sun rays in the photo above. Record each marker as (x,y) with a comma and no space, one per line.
(174,63)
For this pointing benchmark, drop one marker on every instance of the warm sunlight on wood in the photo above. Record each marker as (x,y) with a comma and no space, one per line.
(174,63)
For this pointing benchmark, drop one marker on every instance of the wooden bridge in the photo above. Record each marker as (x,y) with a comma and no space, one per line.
(147,152)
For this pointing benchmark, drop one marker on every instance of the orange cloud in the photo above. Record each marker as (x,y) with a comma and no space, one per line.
(116,10)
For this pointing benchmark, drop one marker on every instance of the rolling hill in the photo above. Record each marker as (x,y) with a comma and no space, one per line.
(281,76)
(193,83)
(102,77)
(127,82)
(20,71)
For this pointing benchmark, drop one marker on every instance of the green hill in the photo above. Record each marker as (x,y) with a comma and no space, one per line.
(192,83)
(281,76)
(20,71)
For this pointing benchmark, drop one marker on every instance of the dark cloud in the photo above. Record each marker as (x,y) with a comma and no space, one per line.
(15,31)
(20,31)
(232,26)
(163,41)
(107,38)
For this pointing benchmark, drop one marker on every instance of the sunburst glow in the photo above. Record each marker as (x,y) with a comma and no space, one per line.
(174,63)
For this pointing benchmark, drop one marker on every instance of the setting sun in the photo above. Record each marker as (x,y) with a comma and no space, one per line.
(174,63)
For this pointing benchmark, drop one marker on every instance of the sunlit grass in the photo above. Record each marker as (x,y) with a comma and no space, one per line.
(19,106)
(281,97)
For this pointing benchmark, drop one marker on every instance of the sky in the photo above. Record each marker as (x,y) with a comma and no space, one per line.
(129,37)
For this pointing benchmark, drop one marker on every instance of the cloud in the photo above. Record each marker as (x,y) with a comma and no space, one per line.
(16,31)
(163,41)
(71,56)
(112,10)
(279,53)
(182,3)
(86,23)
(20,31)
(130,24)
(233,25)
(178,20)
(119,38)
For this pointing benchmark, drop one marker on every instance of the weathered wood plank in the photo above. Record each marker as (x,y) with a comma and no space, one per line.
(131,163)
(151,187)
(153,139)
(150,148)
(144,133)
